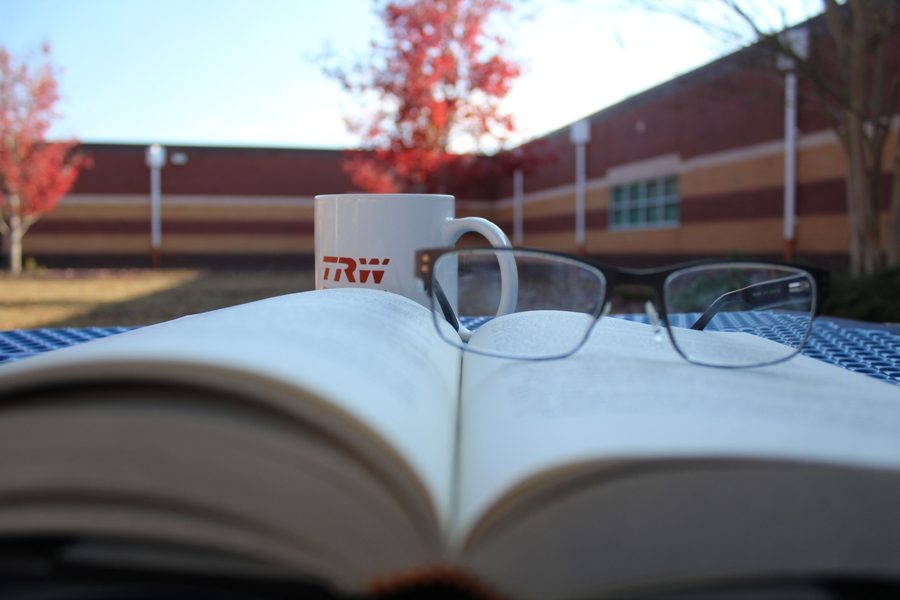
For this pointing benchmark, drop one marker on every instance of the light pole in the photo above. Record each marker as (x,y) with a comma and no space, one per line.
(580,134)
(156,160)
(797,41)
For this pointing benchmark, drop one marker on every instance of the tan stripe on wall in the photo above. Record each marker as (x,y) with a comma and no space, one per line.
(816,234)
(135,244)
(763,172)
(823,233)
(814,164)
(561,241)
(597,199)
(255,213)
(238,244)
(85,244)
(86,211)
(95,212)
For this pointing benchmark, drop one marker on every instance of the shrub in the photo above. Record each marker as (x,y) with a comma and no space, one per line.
(867,298)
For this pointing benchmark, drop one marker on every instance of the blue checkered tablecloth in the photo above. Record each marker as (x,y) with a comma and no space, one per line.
(15,345)
(865,348)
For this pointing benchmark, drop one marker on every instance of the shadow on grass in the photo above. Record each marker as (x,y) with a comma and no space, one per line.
(207,291)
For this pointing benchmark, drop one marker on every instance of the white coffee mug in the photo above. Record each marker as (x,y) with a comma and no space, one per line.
(370,240)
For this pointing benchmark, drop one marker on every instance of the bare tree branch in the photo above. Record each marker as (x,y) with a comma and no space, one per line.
(849,80)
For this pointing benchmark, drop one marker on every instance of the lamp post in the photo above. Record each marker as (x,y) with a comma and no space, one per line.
(797,41)
(156,160)
(580,134)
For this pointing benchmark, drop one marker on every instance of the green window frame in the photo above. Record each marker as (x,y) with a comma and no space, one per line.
(645,204)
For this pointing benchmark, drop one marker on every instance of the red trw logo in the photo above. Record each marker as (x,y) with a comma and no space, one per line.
(349,268)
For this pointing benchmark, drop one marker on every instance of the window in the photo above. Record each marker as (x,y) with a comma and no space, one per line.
(645,204)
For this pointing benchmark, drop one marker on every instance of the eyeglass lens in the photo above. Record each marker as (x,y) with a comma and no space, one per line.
(762,313)
(567,294)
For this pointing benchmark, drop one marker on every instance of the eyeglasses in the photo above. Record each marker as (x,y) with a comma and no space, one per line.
(534,304)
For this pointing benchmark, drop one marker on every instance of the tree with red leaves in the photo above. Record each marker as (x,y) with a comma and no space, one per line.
(437,80)
(34,173)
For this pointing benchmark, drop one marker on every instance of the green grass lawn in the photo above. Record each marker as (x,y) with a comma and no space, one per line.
(110,297)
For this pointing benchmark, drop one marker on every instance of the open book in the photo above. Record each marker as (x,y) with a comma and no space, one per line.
(333,435)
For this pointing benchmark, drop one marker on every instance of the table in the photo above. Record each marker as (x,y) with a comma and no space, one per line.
(867,348)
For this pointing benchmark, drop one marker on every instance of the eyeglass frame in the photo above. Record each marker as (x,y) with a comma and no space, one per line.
(653,278)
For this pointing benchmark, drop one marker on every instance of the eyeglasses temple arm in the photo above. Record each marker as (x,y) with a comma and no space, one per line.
(444,303)
(756,295)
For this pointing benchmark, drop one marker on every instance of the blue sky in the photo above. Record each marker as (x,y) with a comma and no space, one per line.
(244,72)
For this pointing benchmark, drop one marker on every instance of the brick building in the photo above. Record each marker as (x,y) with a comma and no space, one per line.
(693,167)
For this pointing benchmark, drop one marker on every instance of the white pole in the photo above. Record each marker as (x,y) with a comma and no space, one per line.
(156,160)
(518,213)
(155,226)
(790,163)
(580,135)
(579,197)
(797,42)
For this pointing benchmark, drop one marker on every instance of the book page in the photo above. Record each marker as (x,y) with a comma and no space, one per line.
(628,396)
(364,365)
(181,466)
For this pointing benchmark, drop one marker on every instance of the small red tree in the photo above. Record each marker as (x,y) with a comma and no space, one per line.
(438,78)
(34,173)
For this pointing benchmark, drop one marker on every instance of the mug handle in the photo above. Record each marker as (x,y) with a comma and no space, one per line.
(509,277)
